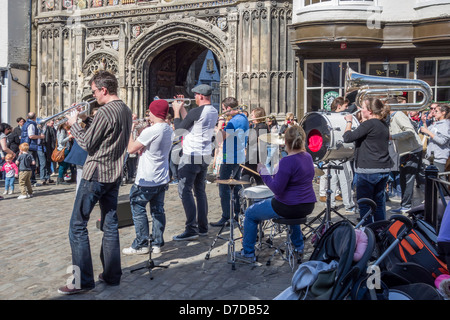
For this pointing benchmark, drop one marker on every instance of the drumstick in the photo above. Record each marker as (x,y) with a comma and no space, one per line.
(249,169)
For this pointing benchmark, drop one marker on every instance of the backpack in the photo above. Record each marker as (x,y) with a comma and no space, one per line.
(416,247)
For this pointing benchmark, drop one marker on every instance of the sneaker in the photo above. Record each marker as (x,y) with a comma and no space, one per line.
(22,196)
(350,210)
(67,291)
(247,258)
(156,249)
(338,198)
(203,234)
(323,199)
(29,195)
(400,210)
(37,184)
(6,192)
(220,223)
(395,198)
(185,236)
(11,192)
(130,251)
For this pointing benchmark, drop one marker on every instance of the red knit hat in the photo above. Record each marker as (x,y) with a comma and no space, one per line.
(159,108)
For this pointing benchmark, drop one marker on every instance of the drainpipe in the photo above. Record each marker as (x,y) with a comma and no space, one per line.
(30,13)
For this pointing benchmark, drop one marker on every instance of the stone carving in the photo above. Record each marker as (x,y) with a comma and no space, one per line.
(251,53)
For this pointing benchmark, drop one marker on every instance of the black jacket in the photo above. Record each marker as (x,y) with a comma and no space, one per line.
(371,144)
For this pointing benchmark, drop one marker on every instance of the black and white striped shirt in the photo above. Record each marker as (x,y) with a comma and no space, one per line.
(105,140)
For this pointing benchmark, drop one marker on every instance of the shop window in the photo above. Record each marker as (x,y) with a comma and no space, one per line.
(436,72)
(324,81)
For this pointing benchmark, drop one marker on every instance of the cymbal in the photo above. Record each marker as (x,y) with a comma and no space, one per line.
(272,138)
(232,182)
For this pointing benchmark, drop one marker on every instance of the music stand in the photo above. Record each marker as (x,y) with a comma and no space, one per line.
(326,213)
(150,264)
(231,249)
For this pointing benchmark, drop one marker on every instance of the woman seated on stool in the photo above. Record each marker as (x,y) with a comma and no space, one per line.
(294,196)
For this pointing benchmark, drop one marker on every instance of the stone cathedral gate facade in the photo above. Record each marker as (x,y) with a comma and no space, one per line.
(151,46)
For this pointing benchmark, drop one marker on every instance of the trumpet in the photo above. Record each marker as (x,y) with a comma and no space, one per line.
(187,101)
(60,117)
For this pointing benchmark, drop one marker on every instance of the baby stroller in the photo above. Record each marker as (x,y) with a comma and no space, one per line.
(333,274)
(407,260)
(333,268)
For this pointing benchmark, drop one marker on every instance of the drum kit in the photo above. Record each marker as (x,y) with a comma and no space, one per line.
(249,195)
(231,183)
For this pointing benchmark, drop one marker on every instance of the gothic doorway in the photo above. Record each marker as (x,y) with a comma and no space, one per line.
(179,68)
(168,58)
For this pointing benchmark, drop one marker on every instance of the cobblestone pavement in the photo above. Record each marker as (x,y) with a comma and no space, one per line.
(35,254)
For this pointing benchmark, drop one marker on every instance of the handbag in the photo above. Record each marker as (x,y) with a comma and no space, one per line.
(58,156)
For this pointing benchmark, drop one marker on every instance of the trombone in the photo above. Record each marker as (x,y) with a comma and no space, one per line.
(240,108)
(270,116)
(60,117)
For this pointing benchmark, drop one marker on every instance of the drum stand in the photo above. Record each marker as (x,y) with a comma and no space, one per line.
(150,265)
(231,248)
(326,213)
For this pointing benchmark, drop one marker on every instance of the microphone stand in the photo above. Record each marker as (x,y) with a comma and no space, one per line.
(150,264)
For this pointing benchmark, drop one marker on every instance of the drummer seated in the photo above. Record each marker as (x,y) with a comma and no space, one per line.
(294,196)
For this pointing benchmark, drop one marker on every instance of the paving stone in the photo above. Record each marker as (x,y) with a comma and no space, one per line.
(35,254)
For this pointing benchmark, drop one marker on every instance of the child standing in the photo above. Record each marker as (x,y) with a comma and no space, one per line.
(24,162)
(11,172)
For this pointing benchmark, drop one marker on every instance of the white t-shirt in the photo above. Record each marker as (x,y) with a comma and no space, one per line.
(153,165)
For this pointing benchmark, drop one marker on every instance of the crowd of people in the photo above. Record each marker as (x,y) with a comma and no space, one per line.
(109,147)
(414,139)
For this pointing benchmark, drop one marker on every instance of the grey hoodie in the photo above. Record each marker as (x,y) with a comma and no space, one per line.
(440,144)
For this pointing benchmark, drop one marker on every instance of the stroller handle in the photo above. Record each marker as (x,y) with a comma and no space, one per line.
(405,220)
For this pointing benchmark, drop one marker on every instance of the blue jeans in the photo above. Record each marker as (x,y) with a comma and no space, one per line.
(88,194)
(139,198)
(192,176)
(33,166)
(63,166)
(229,171)
(258,212)
(372,186)
(44,166)
(9,183)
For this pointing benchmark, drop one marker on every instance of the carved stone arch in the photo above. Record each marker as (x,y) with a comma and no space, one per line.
(99,60)
(164,35)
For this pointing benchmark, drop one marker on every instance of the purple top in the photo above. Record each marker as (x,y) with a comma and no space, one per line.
(292,182)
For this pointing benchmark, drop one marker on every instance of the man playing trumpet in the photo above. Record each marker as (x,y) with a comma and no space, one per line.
(105,138)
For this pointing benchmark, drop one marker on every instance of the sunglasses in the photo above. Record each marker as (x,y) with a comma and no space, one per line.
(95,90)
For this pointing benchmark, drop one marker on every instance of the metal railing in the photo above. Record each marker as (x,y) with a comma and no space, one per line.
(437,189)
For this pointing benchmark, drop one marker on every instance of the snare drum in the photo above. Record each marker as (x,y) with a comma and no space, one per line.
(324,136)
(254,194)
